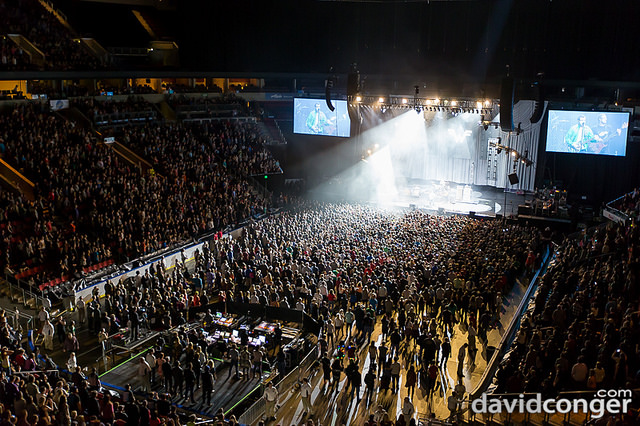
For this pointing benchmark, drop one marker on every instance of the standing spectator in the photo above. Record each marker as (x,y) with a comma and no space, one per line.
(71,343)
(189,383)
(370,384)
(305,394)
(271,399)
(144,373)
(245,362)
(395,374)
(233,359)
(408,410)
(82,313)
(411,380)
(207,385)
(48,332)
(452,405)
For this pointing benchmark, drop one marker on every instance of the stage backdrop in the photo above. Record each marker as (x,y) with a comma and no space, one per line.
(443,146)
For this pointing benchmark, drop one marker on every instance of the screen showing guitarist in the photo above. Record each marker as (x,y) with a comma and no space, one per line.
(579,136)
(603,135)
(318,123)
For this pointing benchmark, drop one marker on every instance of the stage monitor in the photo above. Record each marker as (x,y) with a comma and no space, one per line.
(312,117)
(588,132)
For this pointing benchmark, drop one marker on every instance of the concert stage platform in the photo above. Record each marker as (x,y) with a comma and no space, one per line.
(444,197)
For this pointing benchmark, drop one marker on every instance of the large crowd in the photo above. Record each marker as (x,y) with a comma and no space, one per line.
(393,286)
(92,206)
(354,268)
(42,28)
(581,331)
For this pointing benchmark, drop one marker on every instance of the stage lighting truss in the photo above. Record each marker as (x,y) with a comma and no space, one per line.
(517,156)
(453,106)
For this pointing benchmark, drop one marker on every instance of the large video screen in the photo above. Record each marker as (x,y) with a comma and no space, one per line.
(313,117)
(588,132)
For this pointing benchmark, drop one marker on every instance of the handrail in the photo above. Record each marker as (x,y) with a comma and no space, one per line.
(509,334)
(33,372)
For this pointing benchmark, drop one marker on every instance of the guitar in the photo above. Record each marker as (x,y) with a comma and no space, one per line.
(324,128)
(603,137)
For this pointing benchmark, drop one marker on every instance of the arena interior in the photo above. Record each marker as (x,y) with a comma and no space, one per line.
(319,212)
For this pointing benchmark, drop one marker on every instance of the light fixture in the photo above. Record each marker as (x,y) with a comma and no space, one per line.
(381,100)
(454,103)
(428,101)
(487,103)
(358,98)
(479,105)
(404,100)
(436,101)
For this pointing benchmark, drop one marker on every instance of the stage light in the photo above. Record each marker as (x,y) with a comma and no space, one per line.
(358,98)
(487,103)
(404,100)
(428,101)
(369,151)
(454,103)
(479,105)
(436,101)
(381,100)
(514,153)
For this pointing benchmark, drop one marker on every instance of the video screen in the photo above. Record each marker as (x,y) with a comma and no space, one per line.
(313,117)
(588,132)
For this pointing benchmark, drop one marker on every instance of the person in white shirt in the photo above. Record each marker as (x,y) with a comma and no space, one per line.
(151,362)
(71,362)
(48,331)
(80,306)
(407,408)
(43,315)
(144,373)
(305,393)
(271,399)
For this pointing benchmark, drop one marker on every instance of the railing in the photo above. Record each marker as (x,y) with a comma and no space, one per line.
(20,288)
(15,373)
(426,421)
(283,140)
(20,319)
(128,51)
(253,413)
(295,376)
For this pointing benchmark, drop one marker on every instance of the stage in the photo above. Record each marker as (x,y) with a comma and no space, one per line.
(442,197)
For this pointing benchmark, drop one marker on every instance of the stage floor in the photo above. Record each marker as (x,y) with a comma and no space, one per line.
(446,197)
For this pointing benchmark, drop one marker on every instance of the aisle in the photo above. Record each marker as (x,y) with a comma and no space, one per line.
(332,406)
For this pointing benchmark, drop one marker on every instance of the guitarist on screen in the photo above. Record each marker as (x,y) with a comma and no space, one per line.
(603,133)
(317,122)
(579,136)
